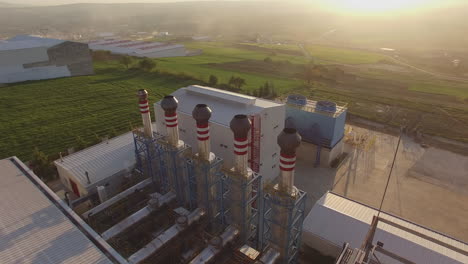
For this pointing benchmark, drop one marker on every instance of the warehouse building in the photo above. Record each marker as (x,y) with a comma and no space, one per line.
(105,164)
(37,227)
(139,48)
(335,220)
(267,119)
(25,58)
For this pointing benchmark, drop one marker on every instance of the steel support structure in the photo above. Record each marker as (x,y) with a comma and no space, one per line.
(283,220)
(208,189)
(246,207)
(148,157)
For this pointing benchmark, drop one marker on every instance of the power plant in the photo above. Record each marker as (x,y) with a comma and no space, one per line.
(188,207)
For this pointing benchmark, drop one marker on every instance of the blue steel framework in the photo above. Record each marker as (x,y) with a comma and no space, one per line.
(174,170)
(219,184)
(295,208)
(251,226)
(148,158)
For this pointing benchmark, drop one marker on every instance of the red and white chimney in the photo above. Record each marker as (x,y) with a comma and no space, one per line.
(169,105)
(202,114)
(288,140)
(145,112)
(240,126)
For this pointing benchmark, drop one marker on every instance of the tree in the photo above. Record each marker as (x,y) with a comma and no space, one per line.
(126,61)
(41,165)
(255,93)
(268,60)
(213,80)
(237,82)
(147,64)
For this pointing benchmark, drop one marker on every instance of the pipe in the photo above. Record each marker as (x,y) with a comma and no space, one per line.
(270,257)
(288,140)
(166,236)
(102,193)
(202,113)
(240,126)
(169,105)
(215,246)
(145,112)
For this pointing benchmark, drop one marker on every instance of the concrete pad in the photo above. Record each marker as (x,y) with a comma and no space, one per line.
(428,186)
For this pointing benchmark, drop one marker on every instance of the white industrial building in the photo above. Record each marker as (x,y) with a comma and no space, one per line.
(267,119)
(37,227)
(139,48)
(25,58)
(105,164)
(335,220)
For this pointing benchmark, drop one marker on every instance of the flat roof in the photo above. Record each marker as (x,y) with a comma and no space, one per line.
(27,42)
(101,160)
(223,103)
(37,227)
(337,217)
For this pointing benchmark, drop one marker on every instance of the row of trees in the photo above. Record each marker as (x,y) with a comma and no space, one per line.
(145,64)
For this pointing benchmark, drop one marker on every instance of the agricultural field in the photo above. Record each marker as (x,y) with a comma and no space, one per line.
(51,114)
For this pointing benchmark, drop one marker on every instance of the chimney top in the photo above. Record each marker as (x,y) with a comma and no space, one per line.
(142,94)
(169,103)
(201,113)
(289,140)
(240,126)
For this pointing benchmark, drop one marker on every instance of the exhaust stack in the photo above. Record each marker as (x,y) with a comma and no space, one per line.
(169,105)
(202,113)
(145,112)
(240,126)
(288,140)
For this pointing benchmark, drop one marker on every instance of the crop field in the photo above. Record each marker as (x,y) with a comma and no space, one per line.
(50,114)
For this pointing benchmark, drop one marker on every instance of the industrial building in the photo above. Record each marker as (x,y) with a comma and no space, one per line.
(267,118)
(37,227)
(335,221)
(104,165)
(25,58)
(321,125)
(139,48)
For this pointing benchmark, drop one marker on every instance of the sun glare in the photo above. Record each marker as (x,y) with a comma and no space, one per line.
(376,5)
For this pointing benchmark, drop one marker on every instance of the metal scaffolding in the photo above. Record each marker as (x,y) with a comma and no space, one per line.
(246,207)
(284,215)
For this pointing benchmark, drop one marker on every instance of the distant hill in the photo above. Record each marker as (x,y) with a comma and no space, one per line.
(436,29)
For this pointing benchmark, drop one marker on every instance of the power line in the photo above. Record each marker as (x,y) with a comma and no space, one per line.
(389,175)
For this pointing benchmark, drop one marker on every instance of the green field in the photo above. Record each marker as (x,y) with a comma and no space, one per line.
(50,114)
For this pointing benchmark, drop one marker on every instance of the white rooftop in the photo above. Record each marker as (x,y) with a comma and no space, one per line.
(222,103)
(32,227)
(131,46)
(102,160)
(338,220)
(26,42)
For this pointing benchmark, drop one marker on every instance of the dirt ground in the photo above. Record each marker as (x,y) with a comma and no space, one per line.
(428,186)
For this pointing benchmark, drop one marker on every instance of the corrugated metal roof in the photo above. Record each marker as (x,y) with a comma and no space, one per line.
(338,220)
(102,160)
(34,230)
(26,42)
(223,103)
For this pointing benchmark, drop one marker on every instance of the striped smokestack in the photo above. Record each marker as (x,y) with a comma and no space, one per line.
(240,126)
(202,113)
(288,140)
(145,112)
(169,105)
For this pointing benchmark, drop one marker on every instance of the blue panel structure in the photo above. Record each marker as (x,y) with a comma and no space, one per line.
(318,122)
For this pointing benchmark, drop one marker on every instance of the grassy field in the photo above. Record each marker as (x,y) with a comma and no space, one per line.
(50,114)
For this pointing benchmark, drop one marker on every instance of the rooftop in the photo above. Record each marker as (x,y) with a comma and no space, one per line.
(222,103)
(27,42)
(37,227)
(102,160)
